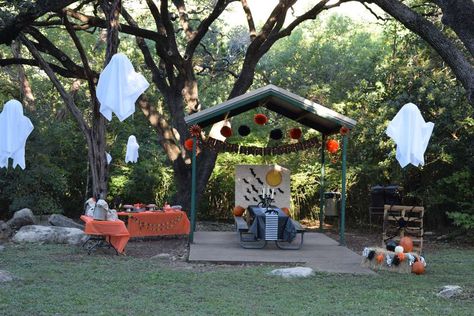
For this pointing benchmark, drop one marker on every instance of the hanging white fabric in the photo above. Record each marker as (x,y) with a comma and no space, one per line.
(132,149)
(108,157)
(119,87)
(14,130)
(411,134)
(215,131)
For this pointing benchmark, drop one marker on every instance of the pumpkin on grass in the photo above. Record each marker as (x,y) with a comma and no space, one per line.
(379,258)
(418,267)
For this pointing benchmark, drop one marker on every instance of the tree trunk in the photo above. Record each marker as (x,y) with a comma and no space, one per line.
(26,94)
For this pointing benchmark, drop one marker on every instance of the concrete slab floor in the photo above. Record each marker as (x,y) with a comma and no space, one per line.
(319,252)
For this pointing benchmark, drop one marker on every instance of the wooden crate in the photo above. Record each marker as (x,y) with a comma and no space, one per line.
(394,218)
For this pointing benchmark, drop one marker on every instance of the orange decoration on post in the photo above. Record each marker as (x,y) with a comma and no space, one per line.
(379,258)
(295,133)
(344,131)
(238,211)
(332,146)
(418,267)
(260,119)
(226,131)
(188,144)
(407,244)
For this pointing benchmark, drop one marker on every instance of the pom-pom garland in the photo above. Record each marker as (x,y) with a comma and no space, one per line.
(244,130)
(344,130)
(188,144)
(332,146)
(276,134)
(260,119)
(195,130)
(295,133)
(226,131)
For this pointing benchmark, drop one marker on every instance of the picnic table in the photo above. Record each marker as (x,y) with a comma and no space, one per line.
(283,228)
(157,223)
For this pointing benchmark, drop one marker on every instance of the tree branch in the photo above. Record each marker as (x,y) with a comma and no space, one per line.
(15,24)
(31,62)
(183,18)
(57,84)
(156,15)
(250,22)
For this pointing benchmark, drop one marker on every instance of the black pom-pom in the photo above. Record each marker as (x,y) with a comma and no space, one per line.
(244,130)
(276,134)
(371,255)
(391,244)
(395,260)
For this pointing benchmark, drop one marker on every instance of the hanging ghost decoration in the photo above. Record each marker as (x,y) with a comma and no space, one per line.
(119,87)
(132,150)
(411,134)
(108,157)
(14,130)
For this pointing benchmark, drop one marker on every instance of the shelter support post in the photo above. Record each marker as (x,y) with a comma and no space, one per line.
(321,190)
(193,191)
(342,239)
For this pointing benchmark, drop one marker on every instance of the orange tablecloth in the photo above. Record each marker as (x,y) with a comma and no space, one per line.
(169,222)
(115,232)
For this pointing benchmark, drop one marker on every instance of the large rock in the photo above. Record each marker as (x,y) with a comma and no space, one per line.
(296,272)
(22,218)
(5,276)
(63,221)
(50,235)
(449,291)
(5,230)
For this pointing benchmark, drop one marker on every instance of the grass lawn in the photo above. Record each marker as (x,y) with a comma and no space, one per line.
(63,280)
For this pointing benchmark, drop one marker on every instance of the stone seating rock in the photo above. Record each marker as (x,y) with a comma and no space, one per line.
(63,221)
(22,218)
(50,234)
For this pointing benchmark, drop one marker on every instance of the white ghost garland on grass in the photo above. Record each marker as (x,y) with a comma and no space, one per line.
(119,87)
(132,149)
(411,134)
(14,130)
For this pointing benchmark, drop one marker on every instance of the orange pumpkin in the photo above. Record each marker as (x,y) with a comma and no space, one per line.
(401,256)
(286,210)
(239,210)
(418,267)
(407,244)
(379,258)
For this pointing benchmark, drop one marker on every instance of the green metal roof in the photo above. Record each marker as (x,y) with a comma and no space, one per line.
(276,99)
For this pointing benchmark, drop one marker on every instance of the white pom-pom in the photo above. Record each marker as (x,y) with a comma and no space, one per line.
(399,249)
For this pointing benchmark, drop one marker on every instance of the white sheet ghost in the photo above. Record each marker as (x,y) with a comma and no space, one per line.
(119,87)
(411,134)
(14,130)
(132,149)
(108,157)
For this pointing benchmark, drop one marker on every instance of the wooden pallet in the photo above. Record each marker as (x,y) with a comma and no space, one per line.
(394,215)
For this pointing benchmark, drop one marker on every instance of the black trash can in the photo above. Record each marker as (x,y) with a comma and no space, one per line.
(377,198)
(393,195)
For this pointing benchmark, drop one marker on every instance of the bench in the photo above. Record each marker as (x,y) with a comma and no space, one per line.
(248,240)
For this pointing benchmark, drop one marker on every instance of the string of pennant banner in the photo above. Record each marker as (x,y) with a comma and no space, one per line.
(220,146)
(157,227)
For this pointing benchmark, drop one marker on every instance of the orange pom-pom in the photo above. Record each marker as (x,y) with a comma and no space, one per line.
(418,267)
(401,256)
(407,244)
(226,131)
(260,119)
(379,258)
(188,144)
(344,131)
(295,133)
(332,146)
